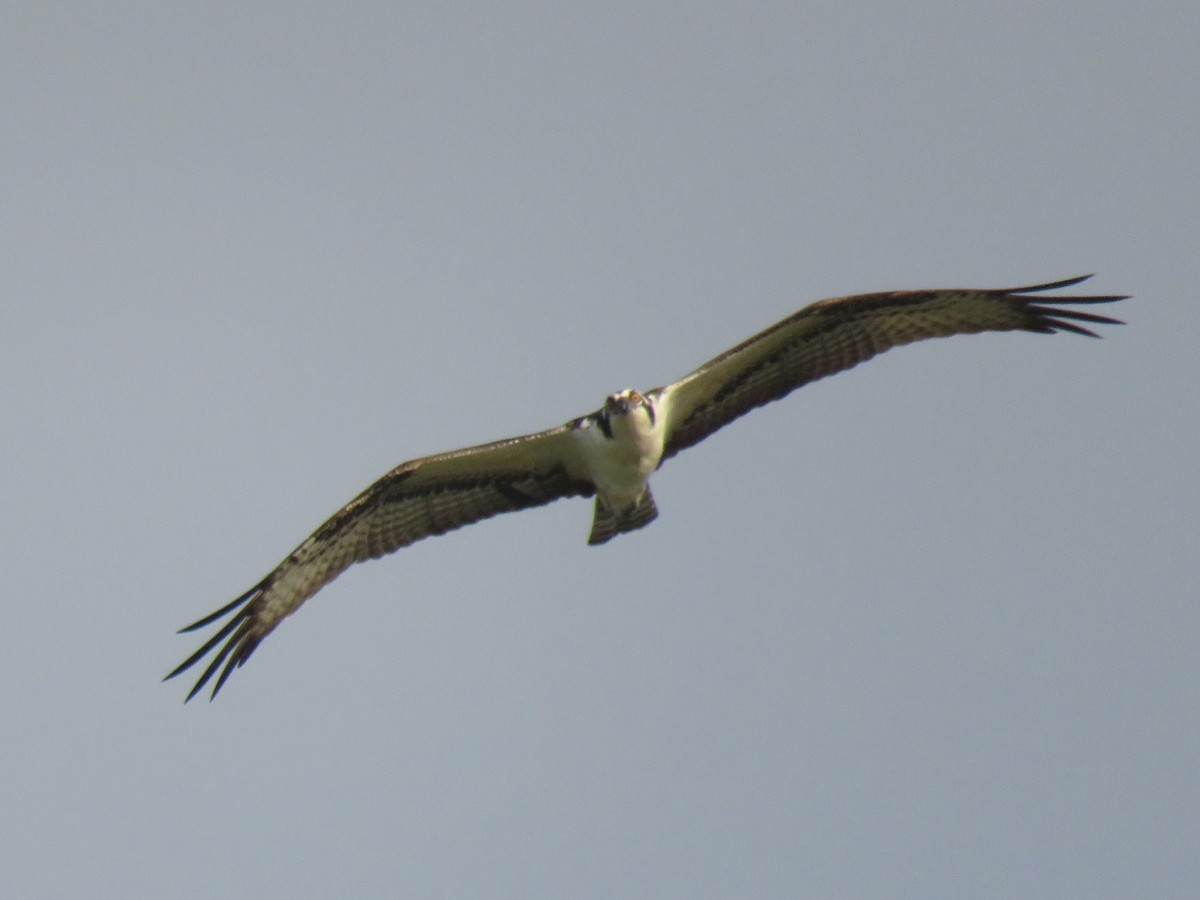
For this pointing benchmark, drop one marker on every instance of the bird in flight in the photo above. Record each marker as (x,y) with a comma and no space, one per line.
(610,454)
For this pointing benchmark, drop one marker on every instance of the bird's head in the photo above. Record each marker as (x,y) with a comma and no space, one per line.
(621,404)
(618,407)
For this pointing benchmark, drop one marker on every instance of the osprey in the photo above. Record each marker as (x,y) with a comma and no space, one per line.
(611,453)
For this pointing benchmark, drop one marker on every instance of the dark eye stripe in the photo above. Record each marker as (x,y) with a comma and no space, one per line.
(604,423)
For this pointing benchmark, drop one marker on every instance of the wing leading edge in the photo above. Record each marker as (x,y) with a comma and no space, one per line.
(436,494)
(417,499)
(833,335)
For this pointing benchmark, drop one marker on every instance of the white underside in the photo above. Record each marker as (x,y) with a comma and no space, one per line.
(621,465)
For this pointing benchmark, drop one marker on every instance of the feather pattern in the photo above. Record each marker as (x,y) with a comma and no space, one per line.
(613,447)
(834,335)
(417,499)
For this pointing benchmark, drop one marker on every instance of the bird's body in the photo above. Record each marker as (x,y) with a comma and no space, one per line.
(612,452)
(618,447)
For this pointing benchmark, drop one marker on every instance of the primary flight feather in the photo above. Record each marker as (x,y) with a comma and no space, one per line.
(611,453)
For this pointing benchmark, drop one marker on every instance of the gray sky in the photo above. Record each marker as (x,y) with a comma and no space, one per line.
(926,629)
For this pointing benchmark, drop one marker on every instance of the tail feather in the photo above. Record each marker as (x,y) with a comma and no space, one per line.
(608,521)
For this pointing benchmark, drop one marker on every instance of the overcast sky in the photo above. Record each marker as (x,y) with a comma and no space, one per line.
(926,629)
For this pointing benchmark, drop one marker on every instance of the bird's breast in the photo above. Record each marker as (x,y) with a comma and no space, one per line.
(620,465)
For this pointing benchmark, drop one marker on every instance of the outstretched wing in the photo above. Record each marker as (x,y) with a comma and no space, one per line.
(415,500)
(832,335)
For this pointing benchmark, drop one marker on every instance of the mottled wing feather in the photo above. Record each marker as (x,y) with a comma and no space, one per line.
(833,335)
(440,493)
(417,499)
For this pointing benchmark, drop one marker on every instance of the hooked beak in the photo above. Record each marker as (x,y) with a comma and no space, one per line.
(622,403)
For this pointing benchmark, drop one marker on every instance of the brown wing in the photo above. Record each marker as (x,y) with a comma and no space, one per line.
(832,335)
(415,500)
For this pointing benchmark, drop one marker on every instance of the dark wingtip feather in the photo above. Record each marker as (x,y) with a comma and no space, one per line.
(1048,319)
(1066,282)
(1049,285)
(226,629)
(227,608)
(1048,311)
(228,648)
(1054,325)
(235,635)
(245,646)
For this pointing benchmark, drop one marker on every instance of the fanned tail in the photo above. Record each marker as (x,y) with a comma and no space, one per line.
(608,521)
